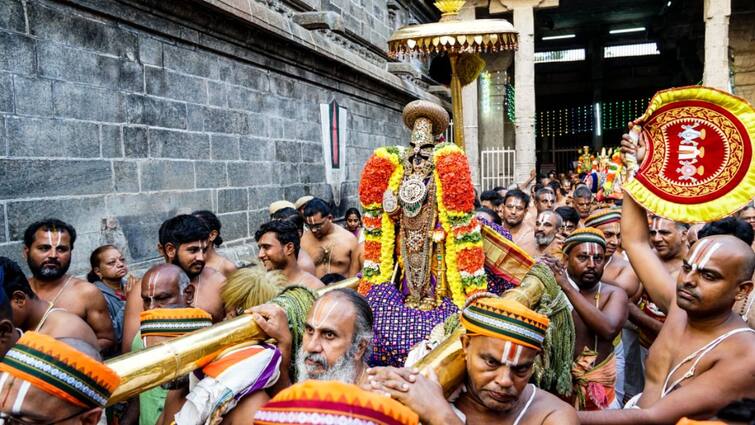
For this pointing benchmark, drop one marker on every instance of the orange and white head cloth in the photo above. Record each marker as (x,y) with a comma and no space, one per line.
(173,322)
(505,319)
(331,402)
(59,370)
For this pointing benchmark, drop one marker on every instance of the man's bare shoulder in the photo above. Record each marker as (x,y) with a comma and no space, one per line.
(210,275)
(81,295)
(613,290)
(552,410)
(64,324)
(311,281)
(344,236)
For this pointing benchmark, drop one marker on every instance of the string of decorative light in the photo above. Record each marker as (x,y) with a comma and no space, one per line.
(580,119)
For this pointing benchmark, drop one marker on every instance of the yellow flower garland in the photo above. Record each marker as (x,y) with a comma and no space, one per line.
(382,271)
(459,291)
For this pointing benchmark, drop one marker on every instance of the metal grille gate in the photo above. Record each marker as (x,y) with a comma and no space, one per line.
(497,167)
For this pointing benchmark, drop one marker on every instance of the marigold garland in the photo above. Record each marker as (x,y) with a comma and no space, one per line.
(465,258)
(382,171)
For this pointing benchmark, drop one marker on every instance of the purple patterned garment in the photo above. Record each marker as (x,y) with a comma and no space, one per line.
(496,284)
(397,327)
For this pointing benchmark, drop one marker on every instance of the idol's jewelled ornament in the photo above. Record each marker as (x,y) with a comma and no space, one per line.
(699,161)
(423,247)
(459,40)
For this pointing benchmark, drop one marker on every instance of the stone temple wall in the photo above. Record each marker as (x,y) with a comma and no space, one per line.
(117,114)
(742,48)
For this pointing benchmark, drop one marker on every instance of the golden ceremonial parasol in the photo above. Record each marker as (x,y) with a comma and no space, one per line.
(454,37)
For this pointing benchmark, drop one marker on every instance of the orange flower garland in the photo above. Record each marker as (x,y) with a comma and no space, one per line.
(383,171)
(465,258)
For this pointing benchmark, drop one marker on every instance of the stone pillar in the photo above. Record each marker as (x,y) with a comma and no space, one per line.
(716,71)
(469,105)
(524,84)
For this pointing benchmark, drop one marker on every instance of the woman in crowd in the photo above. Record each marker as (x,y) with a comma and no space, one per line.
(354,223)
(108,272)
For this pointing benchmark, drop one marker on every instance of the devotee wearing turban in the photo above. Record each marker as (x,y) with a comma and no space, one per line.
(44,380)
(599,314)
(332,402)
(501,343)
(617,269)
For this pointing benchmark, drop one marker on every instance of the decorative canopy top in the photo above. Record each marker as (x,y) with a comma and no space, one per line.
(454,36)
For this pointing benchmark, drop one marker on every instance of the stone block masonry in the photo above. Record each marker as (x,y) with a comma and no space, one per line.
(117,114)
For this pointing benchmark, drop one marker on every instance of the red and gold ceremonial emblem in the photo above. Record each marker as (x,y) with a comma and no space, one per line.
(699,164)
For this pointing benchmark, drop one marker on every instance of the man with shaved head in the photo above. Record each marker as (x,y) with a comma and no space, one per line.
(165,285)
(704,357)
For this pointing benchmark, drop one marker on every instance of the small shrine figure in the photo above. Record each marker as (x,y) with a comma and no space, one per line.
(585,163)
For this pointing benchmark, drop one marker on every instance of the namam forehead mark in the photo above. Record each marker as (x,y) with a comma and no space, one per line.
(23,390)
(546,215)
(659,223)
(511,354)
(151,285)
(53,238)
(317,314)
(514,202)
(591,248)
(703,251)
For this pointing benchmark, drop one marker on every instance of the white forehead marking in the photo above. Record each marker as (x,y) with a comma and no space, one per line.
(516,202)
(511,350)
(546,215)
(699,248)
(593,248)
(710,252)
(317,323)
(20,397)
(3,379)
(151,284)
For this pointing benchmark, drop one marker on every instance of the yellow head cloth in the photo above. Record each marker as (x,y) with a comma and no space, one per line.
(505,319)
(173,322)
(60,370)
(331,402)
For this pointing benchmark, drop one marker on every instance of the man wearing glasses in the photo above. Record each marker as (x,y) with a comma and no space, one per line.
(333,248)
